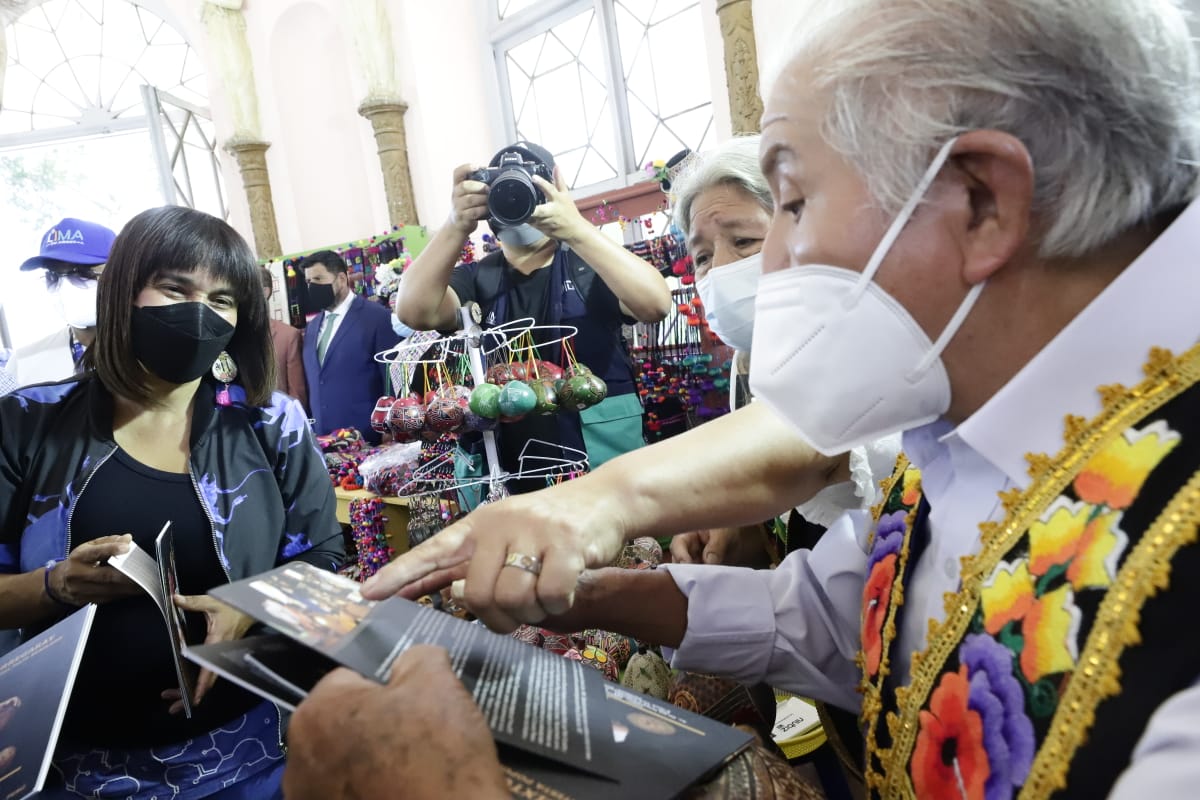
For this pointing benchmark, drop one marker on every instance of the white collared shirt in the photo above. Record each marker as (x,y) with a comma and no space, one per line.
(797,627)
(340,309)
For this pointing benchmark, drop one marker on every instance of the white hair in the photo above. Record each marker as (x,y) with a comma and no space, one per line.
(732,163)
(1103,94)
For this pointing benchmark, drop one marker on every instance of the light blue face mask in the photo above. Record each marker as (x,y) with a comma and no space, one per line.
(523,235)
(400,329)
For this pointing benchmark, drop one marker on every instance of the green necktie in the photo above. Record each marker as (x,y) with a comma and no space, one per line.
(323,342)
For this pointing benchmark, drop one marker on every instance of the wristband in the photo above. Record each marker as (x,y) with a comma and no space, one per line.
(50,592)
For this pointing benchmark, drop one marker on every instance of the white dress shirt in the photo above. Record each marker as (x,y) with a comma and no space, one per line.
(340,309)
(797,627)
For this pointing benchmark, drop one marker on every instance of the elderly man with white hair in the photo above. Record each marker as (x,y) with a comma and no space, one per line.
(985,236)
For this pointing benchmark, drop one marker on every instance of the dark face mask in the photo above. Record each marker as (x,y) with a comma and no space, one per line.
(320,296)
(179,342)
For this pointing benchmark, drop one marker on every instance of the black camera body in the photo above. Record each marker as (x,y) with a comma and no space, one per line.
(512,194)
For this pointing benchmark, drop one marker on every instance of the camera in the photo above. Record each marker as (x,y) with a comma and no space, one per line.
(512,195)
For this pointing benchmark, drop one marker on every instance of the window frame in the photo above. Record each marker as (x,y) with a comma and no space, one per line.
(504,34)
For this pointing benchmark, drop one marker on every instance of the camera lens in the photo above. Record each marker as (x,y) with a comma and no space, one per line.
(512,197)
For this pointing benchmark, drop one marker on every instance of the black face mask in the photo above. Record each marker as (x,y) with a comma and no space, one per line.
(320,296)
(179,342)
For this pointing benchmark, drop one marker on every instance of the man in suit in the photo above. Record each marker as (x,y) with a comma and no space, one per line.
(288,341)
(340,344)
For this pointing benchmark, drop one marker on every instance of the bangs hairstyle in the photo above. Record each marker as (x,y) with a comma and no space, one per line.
(176,239)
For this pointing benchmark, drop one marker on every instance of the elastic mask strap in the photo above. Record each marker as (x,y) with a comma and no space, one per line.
(889,238)
(948,332)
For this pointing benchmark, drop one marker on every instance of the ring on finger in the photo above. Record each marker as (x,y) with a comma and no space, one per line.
(530,564)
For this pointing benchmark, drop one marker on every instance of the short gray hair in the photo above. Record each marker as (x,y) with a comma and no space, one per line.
(732,163)
(1103,94)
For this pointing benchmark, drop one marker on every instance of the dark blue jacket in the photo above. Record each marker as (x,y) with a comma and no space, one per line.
(342,392)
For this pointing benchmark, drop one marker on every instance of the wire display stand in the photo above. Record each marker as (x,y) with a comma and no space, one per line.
(538,458)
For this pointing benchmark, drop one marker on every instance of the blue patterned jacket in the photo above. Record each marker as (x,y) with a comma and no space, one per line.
(258,472)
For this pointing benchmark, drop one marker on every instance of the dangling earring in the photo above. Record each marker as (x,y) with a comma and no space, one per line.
(224,370)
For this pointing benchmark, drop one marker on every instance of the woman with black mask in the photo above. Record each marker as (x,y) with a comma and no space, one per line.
(174,421)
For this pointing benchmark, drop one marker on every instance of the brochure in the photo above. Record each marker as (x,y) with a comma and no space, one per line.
(557,722)
(158,576)
(35,684)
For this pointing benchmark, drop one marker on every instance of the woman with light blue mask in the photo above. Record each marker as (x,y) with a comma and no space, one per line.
(722,204)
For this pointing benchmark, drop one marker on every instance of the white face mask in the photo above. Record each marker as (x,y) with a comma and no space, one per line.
(76,302)
(843,360)
(728,296)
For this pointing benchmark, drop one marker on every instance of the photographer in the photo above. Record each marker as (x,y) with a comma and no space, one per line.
(547,268)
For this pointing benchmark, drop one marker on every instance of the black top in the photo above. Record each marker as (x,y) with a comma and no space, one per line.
(579,298)
(127,662)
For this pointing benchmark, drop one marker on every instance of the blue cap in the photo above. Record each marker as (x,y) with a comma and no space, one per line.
(74,241)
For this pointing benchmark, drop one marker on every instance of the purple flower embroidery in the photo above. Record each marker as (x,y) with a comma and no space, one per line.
(997,697)
(889,535)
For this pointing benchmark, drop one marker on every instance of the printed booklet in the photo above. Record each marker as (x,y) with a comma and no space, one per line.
(562,730)
(35,684)
(158,576)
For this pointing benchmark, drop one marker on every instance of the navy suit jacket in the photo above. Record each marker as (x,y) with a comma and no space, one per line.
(342,392)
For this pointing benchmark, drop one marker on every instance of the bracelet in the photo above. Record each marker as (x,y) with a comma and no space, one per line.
(50,592)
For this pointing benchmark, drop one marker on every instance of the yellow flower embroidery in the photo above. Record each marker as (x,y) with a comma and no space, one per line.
(1051,631)
(911,491)
(1085,539)
(1006,596)
(1114,476)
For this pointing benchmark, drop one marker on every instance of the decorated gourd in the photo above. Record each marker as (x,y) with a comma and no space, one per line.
(518,372)
(407,418)
(379,416)
(499,374)
(588,390)
(516,399)
(547,397)
(647,673)
(485,400)
(446,413)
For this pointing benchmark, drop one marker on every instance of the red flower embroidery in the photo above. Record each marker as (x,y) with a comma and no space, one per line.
(950,759)
(876,596)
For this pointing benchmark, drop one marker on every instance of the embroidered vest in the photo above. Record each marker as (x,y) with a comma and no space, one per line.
(1065,635)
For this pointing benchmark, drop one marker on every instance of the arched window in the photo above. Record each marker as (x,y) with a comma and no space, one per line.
(104,115)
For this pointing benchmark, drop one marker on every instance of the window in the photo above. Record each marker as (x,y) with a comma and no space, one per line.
(103,117)
(605,85)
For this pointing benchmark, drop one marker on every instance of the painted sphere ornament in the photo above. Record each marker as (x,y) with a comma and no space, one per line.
(516,399)
(485,400)
(585,391)
(547,397)
(379,417)
(407,418)
(499,374)
(444,414)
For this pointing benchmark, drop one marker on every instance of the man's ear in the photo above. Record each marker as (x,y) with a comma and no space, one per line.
(998,175)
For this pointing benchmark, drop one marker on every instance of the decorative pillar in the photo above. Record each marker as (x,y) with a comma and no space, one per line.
(741,65)
(374,47)
(387,119)
(251,158)
(230,56)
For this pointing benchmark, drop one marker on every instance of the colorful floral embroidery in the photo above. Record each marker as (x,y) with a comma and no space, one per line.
(950,759)
(976,735)
(1115,475)
(881,575)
